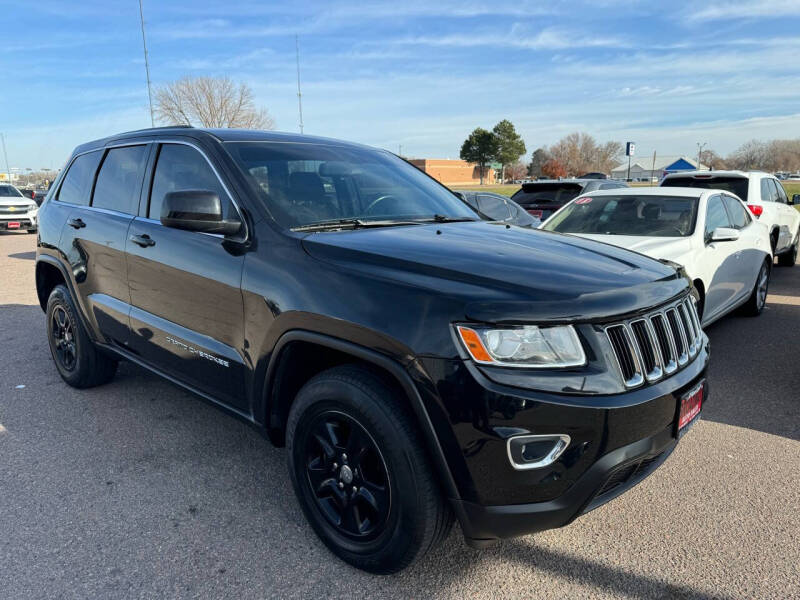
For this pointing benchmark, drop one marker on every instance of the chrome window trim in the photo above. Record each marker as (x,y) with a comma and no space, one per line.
(144,142)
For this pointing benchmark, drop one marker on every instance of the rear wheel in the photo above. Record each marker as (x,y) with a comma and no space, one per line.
(77,359)
(758,298)
(360,473)
(789,258)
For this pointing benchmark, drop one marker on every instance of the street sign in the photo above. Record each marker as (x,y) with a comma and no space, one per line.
(629,148)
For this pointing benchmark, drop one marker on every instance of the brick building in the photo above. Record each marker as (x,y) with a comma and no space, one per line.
(453,172)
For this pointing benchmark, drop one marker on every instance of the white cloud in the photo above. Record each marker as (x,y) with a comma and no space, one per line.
(746,9)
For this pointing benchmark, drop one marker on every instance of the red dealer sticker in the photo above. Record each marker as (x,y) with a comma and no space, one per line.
(584,200)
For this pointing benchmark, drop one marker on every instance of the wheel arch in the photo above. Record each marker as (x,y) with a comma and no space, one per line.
(315,353)
(49,274)
(701,291)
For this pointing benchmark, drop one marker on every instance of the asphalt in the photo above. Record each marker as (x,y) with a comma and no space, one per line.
(138,489)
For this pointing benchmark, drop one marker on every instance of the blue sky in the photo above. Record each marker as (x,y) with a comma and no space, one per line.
(418,73)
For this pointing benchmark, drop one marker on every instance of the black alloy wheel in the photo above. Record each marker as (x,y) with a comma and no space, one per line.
(347,475)
(62,331)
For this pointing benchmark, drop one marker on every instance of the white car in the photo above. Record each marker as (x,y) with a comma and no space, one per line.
(17,211)
(764,196)
(724,250)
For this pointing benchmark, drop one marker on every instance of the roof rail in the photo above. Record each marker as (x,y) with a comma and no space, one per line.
(156,129)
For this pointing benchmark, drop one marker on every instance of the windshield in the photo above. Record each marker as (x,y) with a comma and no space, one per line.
(735,185)
(306,184)
(9,192)
(659,216)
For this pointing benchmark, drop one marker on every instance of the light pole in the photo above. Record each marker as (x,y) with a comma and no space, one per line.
(5,154)
(700,152)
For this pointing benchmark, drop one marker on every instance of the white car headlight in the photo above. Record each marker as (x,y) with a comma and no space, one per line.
(524,346)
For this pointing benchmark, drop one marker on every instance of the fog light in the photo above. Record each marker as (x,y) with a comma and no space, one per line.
(536,451)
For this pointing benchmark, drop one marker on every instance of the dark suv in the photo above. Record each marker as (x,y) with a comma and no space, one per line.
(420,364)
(542,198)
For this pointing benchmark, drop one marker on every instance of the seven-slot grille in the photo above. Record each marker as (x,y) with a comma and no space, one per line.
(655,345)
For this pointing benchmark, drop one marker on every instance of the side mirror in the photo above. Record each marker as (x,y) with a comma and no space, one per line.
(795,199)
(724,234)
(196,210)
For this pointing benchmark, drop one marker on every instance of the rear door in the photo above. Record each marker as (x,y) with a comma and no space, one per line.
(722,259)
(94,236)
(187,318)
(750,247)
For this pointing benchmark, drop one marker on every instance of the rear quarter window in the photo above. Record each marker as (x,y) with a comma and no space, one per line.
(78,181)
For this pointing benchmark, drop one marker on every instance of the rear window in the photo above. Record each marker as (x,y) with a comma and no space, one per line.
(535,193)
(78,180)
(735,185)
(120,179)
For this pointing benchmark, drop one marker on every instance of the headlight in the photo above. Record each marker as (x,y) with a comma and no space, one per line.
(524,346)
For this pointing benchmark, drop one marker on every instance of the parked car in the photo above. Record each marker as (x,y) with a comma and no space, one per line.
(542,198)
(593,175)
(419,364)
(724,250)
(764,196)
(17,211)
(35,194)
(495,207)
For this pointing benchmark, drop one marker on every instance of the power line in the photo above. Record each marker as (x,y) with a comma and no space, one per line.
(299,95)
(146,64)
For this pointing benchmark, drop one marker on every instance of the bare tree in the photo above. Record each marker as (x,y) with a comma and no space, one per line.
(210,102)
(579,153)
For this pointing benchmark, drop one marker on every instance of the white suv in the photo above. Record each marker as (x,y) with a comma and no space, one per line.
(764,196)
(17,211)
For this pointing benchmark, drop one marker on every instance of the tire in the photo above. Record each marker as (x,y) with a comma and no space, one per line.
(789,258)
(758,297)
(33,230)
(77,359)
(379,509)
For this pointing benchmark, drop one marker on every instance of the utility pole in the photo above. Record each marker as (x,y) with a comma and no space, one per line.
(8,170)
(299,95)
(700,152)
(146,64)
(653,170)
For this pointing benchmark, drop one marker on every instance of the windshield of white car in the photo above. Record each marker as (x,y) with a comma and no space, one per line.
(8,191)
(308,184)
(645,215)
(735,185)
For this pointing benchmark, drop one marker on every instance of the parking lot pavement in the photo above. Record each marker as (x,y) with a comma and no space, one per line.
(139,489)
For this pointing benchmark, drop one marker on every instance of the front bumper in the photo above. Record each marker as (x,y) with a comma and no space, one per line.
(616,441)
(26,221)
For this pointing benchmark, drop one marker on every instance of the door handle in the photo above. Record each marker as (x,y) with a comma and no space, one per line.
(143,240)
(76,223)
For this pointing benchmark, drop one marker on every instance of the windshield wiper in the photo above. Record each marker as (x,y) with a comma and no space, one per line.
(352,224)
(446,219)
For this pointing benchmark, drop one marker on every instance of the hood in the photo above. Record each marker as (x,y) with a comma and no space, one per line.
(555,276)
(669,248)
(15,201)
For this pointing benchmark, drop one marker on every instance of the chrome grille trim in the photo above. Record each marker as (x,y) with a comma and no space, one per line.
(667,338)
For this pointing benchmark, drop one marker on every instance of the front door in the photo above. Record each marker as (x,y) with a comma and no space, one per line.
(722,259)
(187,316)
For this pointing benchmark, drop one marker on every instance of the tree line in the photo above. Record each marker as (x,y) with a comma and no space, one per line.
(573,155)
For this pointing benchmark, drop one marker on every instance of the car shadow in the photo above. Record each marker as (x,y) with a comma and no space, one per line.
(753,374)
(24,255)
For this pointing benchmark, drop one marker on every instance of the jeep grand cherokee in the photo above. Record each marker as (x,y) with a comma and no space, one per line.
(420,364)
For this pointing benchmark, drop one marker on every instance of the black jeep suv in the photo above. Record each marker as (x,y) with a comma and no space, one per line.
(420,364)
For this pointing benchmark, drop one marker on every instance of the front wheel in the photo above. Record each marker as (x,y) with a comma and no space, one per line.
(360,471)
(758,297)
